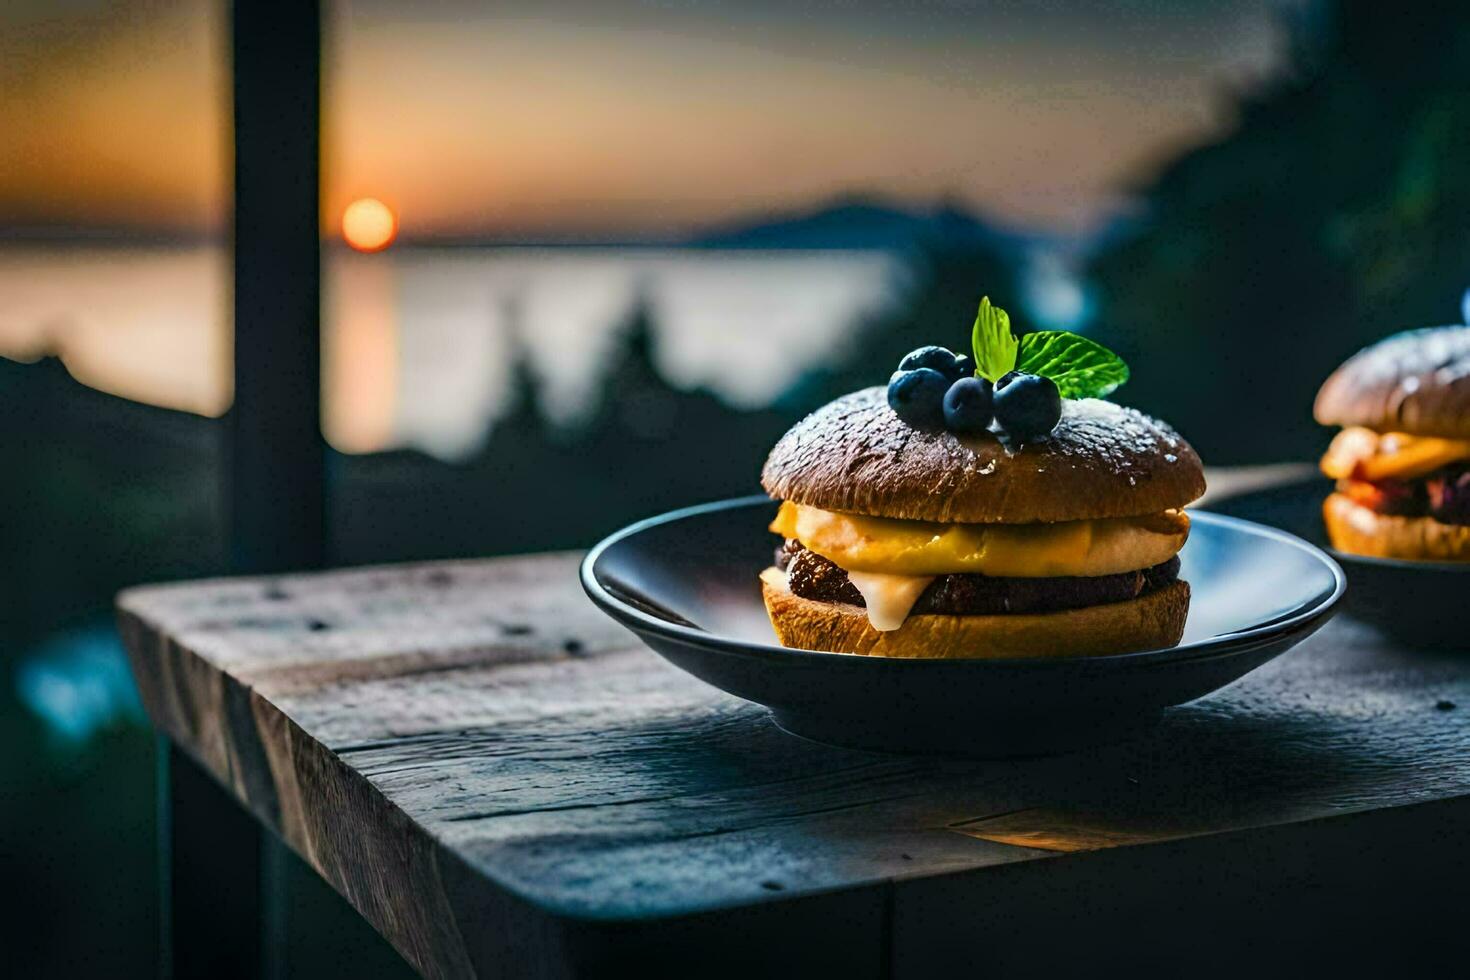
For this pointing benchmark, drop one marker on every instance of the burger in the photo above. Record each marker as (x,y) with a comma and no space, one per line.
(982,508)
(1402,459)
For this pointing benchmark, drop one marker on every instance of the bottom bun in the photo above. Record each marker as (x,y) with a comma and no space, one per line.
(1359,531)
(1149,622)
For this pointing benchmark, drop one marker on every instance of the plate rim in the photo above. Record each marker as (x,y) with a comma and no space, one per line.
(1222,643)
(1399,564)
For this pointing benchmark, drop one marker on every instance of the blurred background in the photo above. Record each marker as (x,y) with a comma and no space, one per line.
(585,261)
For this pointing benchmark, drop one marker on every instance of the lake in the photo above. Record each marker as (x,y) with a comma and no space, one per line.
(419,343)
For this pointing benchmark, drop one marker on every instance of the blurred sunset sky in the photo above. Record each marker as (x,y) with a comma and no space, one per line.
(592,118)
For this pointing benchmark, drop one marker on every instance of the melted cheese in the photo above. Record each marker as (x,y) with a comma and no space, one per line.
(891,547)
(888,597)
(1357,453)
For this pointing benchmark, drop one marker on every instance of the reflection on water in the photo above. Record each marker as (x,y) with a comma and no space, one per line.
(359,357)
(419,343)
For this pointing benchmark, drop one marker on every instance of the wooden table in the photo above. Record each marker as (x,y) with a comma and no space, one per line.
(505,783)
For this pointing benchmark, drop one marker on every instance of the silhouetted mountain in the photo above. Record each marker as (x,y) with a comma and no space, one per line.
(851,221)
(863,222)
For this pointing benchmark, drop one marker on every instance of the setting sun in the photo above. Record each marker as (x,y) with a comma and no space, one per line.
(369,225)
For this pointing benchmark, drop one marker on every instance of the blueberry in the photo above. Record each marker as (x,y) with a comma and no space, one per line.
(967,405)
(917,396)
(963,366)
(939,359)
(1028,407)
(1007,378)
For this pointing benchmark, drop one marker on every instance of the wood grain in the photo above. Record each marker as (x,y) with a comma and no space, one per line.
(504,783)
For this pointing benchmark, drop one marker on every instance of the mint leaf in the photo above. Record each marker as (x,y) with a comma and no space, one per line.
(993,343)
(1080,367)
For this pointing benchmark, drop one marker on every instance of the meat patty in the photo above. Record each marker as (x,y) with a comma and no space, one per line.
(1443,495)
(814,577)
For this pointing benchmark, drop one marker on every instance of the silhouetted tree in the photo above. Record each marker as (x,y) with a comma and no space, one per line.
(1335,213)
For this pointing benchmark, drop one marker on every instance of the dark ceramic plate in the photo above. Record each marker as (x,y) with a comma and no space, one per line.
(1417,602)
(687,584)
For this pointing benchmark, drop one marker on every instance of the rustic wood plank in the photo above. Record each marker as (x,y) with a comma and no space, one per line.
(505,783)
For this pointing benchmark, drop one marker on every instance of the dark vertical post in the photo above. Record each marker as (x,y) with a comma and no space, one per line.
(276,481)
(222,873)
(277,484)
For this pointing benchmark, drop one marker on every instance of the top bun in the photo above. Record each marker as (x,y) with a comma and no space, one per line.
(1416,382)
(1102,460)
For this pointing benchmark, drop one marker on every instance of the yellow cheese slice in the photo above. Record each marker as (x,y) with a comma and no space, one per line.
(858,543)
(1357,453)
